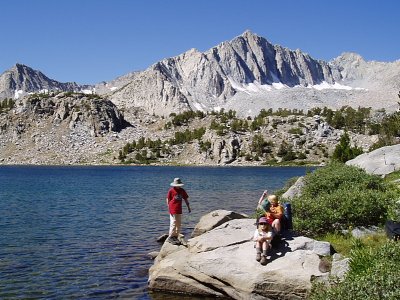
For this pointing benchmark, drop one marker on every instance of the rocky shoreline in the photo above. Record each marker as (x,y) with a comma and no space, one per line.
(79,129)
(219,258)
(219,261)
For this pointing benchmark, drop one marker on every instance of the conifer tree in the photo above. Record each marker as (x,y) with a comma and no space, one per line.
(343,151)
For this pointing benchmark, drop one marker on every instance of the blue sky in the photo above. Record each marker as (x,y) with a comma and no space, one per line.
(89,41)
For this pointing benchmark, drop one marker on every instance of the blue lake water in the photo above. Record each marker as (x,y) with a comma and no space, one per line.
(85,232)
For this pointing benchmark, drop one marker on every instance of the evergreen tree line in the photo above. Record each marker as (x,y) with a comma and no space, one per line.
(347,118)
(157,147)
(6,105)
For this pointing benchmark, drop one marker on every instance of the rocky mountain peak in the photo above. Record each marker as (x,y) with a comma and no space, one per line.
(207,80)
(347,59)
(21,79)
(246,69)
(250,36)
(23,68)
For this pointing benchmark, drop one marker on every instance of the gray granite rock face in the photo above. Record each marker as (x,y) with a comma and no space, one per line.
(206,80)
(245,74)
(214,219)
(21,79)
(221,263)
(381,161)
(249,73)
(340,266)
(295,189)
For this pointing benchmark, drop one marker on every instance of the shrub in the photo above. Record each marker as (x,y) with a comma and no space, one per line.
(343,151)
(295,131)
(373,274)
(204,146)
(301,155)
(259,145)
(286,152)
(338,196)
(6,105)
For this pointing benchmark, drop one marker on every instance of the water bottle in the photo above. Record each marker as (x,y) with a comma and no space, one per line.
(288,215)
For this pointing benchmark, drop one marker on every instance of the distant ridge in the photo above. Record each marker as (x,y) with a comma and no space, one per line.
(21,79)
(246,74)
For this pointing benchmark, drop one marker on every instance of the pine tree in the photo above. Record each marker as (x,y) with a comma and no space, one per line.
(343,151)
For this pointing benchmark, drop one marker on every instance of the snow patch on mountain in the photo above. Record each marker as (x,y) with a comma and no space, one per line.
(336,86)
(198,106)
(256,87)
(18,93)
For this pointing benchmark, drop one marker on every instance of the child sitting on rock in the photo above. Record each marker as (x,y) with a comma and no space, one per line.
(275,213)
(273,210)
(263,236)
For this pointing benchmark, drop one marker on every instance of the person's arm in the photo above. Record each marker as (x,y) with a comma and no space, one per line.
(255,235)
(187,203)
(264,194)
(168,197)
(278,212)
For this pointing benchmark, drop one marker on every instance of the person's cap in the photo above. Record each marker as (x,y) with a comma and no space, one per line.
(262,220)
(177,182)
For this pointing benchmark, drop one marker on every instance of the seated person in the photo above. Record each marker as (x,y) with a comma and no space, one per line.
(275,213)
(262,237)
(273,210)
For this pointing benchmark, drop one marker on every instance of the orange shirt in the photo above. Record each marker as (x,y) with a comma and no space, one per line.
(275,212)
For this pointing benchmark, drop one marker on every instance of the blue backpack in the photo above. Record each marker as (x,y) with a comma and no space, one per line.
(392,229)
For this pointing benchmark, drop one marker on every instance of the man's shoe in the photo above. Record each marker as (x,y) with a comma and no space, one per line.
(174,240)
(263,260)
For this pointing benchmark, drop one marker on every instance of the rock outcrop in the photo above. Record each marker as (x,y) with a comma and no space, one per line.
(204,81)
(63,128)
(295,190)
(21,79)
(214,219)
(381,161)
(249,73)
(99,115)
(221,263)
(245,74)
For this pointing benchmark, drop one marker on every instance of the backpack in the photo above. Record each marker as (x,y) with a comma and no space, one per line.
(392,229)
(287,217)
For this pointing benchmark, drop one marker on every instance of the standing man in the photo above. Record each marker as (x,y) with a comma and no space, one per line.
(175,196)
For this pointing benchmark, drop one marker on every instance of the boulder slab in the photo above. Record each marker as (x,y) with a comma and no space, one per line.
(221,263)
(214,219)
(381,161)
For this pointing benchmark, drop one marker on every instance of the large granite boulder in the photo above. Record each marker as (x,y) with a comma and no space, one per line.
(214,219)
(381,161)
(221,263)
(295,190)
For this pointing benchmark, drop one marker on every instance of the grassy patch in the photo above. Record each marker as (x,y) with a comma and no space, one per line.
(106,153)
(393,176)
(343,244)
